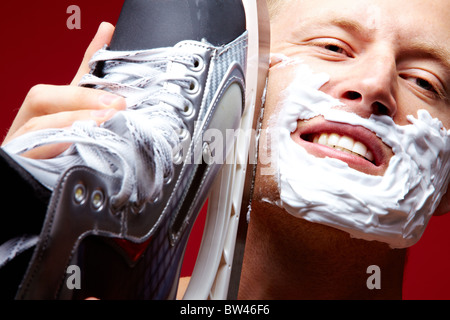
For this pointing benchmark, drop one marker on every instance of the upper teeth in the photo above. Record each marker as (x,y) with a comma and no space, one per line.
(344,143)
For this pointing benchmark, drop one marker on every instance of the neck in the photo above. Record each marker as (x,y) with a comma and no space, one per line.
(290,258)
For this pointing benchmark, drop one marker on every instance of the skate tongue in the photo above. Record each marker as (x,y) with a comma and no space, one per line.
(154,24)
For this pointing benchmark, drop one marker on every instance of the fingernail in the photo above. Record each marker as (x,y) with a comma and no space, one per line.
(108,99)
(103,113)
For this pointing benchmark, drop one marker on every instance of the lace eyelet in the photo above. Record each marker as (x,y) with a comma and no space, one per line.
(188,109)
(79,194)
(194,86)
(198,64)
(98,200)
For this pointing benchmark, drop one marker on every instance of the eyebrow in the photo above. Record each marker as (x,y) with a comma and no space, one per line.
(431,51)
(349,25)
(352,26)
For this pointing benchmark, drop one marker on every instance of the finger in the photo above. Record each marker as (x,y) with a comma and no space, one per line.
(102,37)
(59,120)
(62,120)
(46,99)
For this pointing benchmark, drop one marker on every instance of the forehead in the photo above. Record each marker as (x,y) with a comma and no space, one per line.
(416,16)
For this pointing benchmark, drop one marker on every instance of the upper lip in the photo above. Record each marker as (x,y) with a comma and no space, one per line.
(380,151)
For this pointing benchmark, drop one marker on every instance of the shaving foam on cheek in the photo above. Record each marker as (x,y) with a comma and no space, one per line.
(394,208)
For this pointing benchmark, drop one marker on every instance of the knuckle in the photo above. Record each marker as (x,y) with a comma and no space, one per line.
(35,96)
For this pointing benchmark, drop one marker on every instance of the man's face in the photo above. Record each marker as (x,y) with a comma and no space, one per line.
(383,57)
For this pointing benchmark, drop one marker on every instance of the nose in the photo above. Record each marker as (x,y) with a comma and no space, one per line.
(369,87)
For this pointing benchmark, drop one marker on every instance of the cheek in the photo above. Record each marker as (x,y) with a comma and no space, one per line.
(441,111)
(409,104)
(279,79)
(445,117)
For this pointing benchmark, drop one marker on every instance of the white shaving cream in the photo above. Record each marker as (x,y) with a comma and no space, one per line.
(394,208)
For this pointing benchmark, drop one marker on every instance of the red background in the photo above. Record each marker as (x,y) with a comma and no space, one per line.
(37,47)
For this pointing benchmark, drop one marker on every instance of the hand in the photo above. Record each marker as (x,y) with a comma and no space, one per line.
(47,106)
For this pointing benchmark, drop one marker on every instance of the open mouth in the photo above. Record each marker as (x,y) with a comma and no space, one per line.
(359,147)
(342,143)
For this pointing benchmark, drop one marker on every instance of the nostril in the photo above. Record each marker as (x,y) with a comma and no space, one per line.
(380,109)
(352,95)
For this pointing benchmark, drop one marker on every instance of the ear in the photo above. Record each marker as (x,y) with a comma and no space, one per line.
(444,206)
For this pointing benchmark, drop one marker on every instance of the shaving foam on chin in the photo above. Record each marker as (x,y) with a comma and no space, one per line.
(394,208)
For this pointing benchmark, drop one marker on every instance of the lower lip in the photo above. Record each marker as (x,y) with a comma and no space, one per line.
(353,161)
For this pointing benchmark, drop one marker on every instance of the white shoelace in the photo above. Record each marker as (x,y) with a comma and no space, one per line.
(136,144)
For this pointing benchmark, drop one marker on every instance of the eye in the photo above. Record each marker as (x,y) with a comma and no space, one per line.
(428,86)
(333,47)
(420,82)
(424,84)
